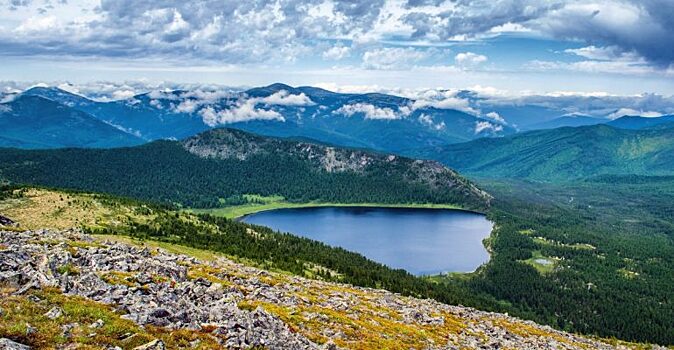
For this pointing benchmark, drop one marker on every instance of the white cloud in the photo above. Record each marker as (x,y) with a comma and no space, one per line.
(632,112)
(241,112)
(496,117)
(370,111)
(283,98)
(482,126)
(392,58)
(611,67)
(469,58)
(337,52)
(605,53)
(428,120)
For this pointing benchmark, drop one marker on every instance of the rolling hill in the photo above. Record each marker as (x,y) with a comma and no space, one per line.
(563,154)
(35,122)
(220,166)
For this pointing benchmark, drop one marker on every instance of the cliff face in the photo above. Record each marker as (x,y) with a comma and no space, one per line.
(69,288)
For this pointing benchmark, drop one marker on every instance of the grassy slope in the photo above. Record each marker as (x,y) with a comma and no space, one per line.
(276,202)
(374,327)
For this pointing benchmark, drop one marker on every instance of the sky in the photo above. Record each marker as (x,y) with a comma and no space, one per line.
(617,47)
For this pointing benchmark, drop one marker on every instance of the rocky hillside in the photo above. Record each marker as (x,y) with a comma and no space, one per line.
(236,144)
(63,289)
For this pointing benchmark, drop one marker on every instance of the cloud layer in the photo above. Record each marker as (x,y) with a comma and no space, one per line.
(237,32)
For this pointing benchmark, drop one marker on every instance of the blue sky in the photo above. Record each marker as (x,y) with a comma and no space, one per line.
(524,46)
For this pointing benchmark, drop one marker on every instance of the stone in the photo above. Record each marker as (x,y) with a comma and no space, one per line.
(153,345)
(54,313)
(7,344)
(98,324)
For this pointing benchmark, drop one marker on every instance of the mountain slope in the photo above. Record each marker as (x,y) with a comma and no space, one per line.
(36,122)
(564,154)
(178,284)
(638,123)
(572,121)
(219,303)
(223,164)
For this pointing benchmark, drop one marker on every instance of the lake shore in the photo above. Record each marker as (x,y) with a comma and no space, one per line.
(240,211)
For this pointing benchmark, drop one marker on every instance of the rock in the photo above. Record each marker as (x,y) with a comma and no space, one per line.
(67,328)
(5,221)
(54,313)
(11,278)
(153,345)
(160,313)
(30,330)
(214,308)
(98,324)
(6,344)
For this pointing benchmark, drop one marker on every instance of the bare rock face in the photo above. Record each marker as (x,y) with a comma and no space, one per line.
(244,307)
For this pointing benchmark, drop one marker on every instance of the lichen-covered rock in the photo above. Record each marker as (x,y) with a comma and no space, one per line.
(7,344)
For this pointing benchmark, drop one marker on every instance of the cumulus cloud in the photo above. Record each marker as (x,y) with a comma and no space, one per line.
(241,112)
(281,31)
(283,98)
(369,111)
(441,99)
(495,117)
(484,126)
(469,59)
(337,52)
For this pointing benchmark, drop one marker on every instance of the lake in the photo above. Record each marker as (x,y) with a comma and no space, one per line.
(421,241)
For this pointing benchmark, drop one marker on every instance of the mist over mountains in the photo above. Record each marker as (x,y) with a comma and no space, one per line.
(376,121)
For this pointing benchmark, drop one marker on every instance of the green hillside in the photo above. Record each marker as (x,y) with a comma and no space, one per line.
(563,154)
(222,166)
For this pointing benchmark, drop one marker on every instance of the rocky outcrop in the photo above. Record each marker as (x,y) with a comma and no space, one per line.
(240,145)
(5,221)
(244,307)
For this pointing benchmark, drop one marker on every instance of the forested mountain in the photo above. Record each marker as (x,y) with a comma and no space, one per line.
(563,154)
(221,165)
(638,123)
(377,121)
(569,120)
(36,122)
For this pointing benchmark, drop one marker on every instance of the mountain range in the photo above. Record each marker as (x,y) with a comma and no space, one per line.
(375,121)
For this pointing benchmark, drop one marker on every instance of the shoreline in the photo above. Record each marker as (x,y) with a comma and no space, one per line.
(239,212)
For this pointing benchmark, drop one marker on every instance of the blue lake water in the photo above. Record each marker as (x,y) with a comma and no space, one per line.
(421,241)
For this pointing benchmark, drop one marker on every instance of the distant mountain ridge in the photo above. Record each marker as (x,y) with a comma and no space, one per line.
(31,121)
(224,164)
(569,120)
(638,122)
(376,121)
(563,154)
